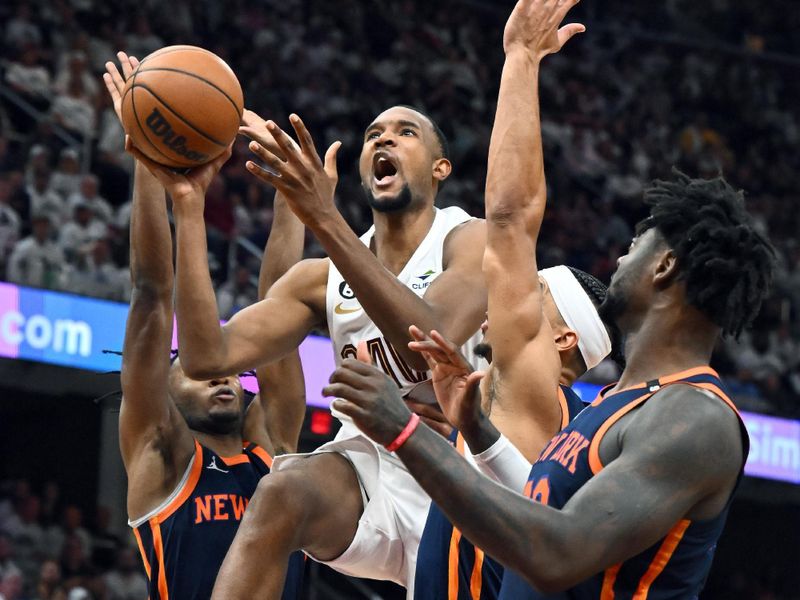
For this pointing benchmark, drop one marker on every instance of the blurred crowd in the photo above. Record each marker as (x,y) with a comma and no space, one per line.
(49,552)
(707,87)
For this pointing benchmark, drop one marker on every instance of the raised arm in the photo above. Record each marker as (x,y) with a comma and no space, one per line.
(655,476)
(526,364)
(280,405)
(147,415)
(262,332)
(454,302)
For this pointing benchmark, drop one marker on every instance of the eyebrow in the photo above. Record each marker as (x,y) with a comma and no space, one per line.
(401,122)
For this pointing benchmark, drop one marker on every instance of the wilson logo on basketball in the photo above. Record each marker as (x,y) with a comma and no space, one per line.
(159,125)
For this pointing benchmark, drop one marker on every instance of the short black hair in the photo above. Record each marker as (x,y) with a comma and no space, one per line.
(726,263)
(596,290)
(440,136)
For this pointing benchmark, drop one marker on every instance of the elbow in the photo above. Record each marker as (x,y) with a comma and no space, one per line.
(200,368)
(549,578)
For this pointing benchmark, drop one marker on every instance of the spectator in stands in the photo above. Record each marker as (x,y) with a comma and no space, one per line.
(31,81)
(105,543)
(76,69)
(42,199)
(74,562)
(67,177)
(78,235)
(73,109)
(29,540)
(21,30)
(37,261)
(71,528)
(126,581)
(236,293)
(94,274)
(10,223)
(7,564)
(89,194)
(49,586)
(142,41)
(11,587)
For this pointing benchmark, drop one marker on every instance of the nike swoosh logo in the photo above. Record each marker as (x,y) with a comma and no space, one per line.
(344,311)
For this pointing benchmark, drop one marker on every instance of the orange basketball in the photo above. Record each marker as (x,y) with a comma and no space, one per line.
(182,106)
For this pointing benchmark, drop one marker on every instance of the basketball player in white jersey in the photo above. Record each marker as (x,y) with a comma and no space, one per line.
(416,265)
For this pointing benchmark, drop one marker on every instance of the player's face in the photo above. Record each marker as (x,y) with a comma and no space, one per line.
(215,406)
(398,159)
(629,285)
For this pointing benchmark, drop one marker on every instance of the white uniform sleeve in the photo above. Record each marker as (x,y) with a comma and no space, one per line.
(503,463)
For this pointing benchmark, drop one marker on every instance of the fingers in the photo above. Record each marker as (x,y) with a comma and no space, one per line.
(449,348)
(275,164)
(330,160)
(116,80)
(126,62)
(347,392)
(349,377)
(362,354)
(417,333)
(430,348)
(568,31)
(304,137)
(252,120)
(287,145)
(348,408)
(474,378)
(264,175)
(259,133)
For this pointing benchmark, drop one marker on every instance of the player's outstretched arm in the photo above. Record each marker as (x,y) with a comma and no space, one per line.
(660,477)
(455,301)
(522,343)
(279,408)
(146,413)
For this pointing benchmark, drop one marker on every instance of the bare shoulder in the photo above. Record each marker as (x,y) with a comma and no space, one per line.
(691,427)
(466,239)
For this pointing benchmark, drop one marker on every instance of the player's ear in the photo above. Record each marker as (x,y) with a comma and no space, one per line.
(565,339)
(666,268)
(441,169)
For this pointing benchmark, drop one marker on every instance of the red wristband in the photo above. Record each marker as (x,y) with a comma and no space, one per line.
(405,434)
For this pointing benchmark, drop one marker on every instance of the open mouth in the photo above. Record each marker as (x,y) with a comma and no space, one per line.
(384,169)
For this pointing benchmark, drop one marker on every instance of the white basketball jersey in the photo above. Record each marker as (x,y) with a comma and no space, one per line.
(349,324)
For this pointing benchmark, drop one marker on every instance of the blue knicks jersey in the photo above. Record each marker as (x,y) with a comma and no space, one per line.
(676,566)
(449,567)
(184,542)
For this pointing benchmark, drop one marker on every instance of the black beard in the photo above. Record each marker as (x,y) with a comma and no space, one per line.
(483,350)
(225,424)
(612,308)
(396,204)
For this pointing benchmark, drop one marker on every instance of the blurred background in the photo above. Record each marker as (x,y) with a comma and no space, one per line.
(708,87)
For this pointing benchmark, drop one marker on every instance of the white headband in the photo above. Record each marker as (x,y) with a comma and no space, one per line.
(579,313)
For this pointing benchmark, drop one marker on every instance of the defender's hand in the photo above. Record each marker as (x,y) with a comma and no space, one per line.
(369,397)
(115,82)
(533,27)
(187,190)
(307,183)
(454,381)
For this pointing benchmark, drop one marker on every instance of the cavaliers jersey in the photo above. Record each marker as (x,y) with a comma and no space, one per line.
(184,541)
(449,567)
(349,324)
(676,566)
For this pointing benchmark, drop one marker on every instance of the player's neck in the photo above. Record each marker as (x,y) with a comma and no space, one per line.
(223,445)
(667,340)
(398,234)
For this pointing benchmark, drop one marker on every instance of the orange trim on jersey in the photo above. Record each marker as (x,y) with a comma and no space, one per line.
(595,464)
(661,559)
(158,545)
(476,581)
(714,389)
(262,454)
(188,487)
(460,444)
(562,402)
(142,552)
(452,570)
(702,370)
(235,460)
(609,579)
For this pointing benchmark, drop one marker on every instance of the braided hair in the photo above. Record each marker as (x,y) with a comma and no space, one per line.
(726,263)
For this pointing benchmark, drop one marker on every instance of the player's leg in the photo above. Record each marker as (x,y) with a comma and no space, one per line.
(313,504)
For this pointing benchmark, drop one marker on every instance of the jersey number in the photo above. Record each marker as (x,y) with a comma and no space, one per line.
(380,350)
(539,492)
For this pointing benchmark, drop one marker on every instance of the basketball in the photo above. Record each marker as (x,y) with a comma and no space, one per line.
(182,106)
